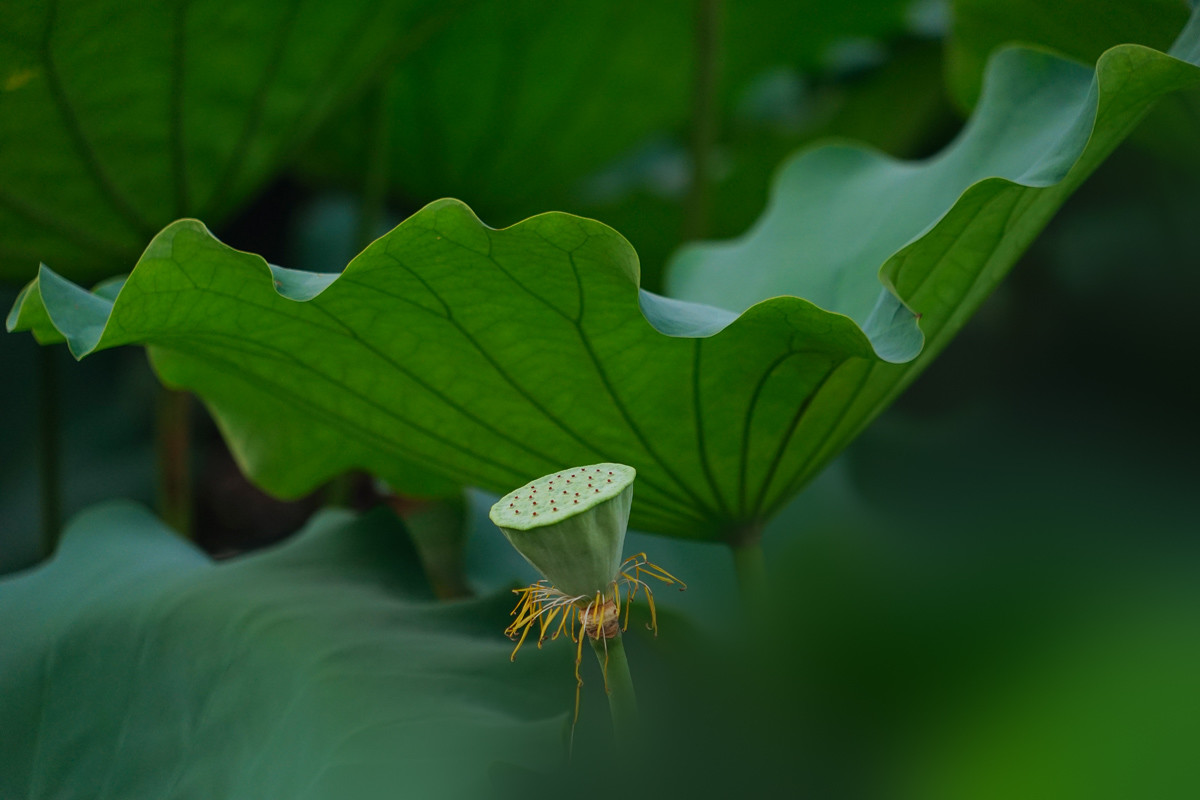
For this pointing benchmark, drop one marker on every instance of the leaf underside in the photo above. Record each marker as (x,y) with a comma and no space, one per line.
(135,667)
(449,352)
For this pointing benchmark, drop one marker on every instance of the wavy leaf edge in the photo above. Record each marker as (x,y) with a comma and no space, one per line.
(891,331)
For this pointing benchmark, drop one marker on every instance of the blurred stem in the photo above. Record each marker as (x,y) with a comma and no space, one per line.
(375,181)
(705,81)
(438,529)
(49,448)
(622,702)
(173,436)
(751,569)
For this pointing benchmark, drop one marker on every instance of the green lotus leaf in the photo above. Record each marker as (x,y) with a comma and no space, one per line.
(134,666)
(116,119)
(1083,33)
(981,26)
(558,91)
(451,353)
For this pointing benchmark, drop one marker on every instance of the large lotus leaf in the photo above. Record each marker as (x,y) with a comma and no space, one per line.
(945,231)
(449,351)
(116,118)
(135,667)
(516,102)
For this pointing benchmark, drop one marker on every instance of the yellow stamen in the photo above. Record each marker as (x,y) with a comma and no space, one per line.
(581,617)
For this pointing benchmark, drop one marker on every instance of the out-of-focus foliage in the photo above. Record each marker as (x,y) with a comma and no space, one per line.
(135,667)
(116,119)
(514,104)
(1080,30)
(1076,28)
(643,193)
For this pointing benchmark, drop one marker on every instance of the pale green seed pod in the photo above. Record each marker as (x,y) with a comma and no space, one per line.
(570,525)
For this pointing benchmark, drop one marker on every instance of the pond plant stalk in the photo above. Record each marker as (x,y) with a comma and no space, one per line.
(49,446)
(570,525)
(751,569)
(618,683)
(173,442)
(706,77)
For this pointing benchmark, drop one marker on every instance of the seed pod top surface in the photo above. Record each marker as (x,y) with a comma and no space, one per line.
(570,525)
(561,494)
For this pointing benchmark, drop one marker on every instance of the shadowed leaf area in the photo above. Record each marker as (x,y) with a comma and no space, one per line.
(118,118)
(451,353)
(557,91)
(134,667)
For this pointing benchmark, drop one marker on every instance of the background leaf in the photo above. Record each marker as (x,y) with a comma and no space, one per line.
(135,667)
(1082,31)
(1079,30)
(450,351)
(114,119)
(516,102)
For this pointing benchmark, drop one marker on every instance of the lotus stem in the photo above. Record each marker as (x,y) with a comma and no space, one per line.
(622,701)
(706,77)
(751,569)
(375,180)
(49,443)
(173,435)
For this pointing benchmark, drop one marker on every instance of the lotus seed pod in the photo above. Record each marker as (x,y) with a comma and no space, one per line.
(570,525)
